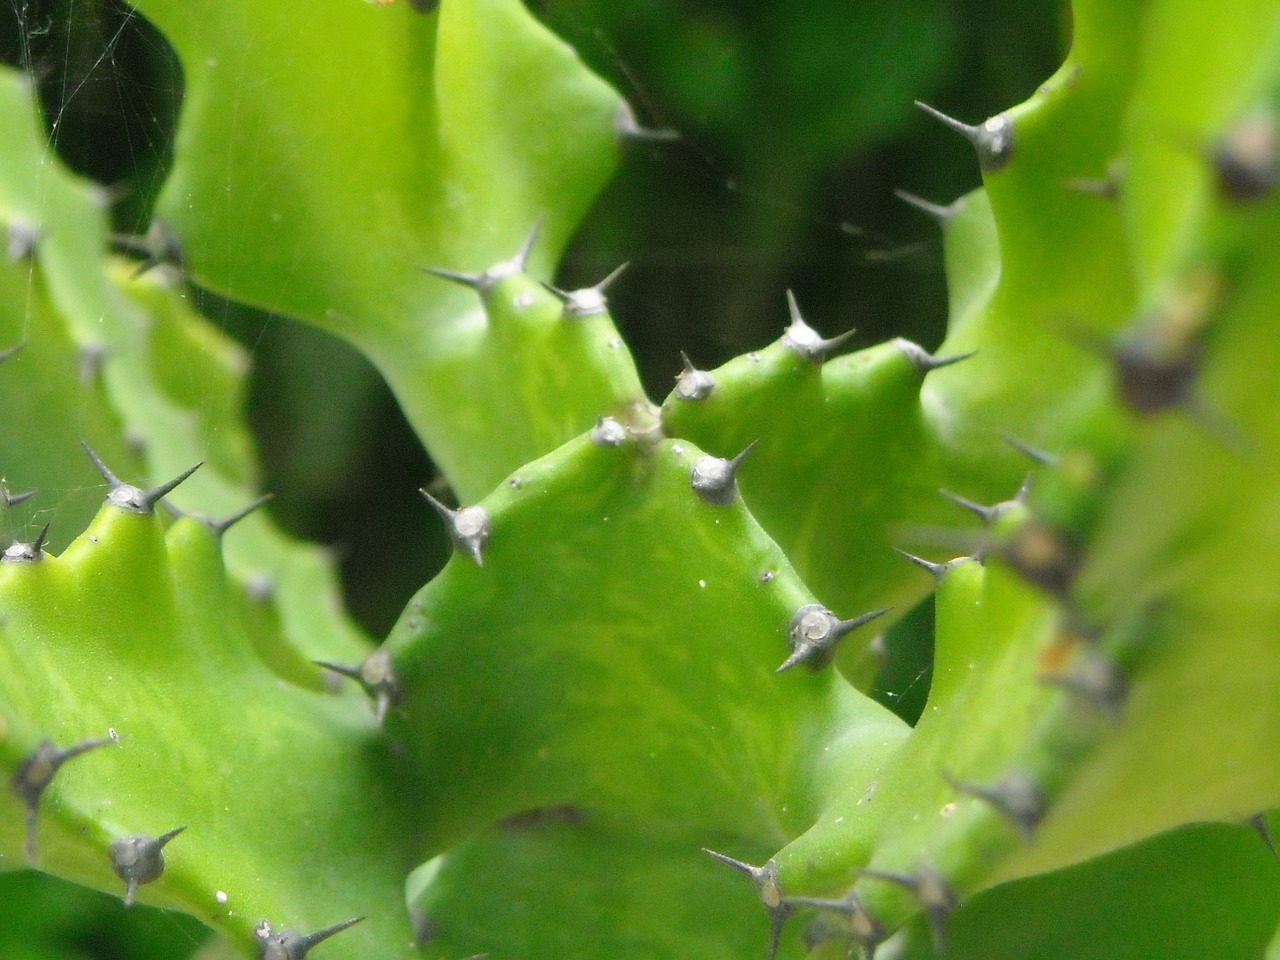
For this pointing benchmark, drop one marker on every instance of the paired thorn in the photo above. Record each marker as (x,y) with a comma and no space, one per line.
(629,129)
(138,860)
(288,945)
(159,245)
(37,771)
(693,384)
(766,880)
(815,631)
(468,527)
(27,552)
(936,570)
(1015,796)
(942,215)
(131,498)
(925,361)
(23,238)
(378,677)
(992,139)
(587,301)
(934,893)
(805,341)
(715,480)
(866,929)
(484,282)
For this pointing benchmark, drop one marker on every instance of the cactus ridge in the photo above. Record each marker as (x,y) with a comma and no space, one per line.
(589,693)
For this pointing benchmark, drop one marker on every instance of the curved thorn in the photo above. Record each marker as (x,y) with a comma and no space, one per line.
(38,546)
(715,480)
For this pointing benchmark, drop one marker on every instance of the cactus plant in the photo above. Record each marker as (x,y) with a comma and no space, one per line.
(629,717)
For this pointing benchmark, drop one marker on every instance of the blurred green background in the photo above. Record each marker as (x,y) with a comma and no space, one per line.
(796,123)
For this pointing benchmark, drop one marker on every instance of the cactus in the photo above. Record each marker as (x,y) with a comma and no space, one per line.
(629,717)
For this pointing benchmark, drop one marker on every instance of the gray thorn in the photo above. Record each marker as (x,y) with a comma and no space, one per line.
(378,678)
(13,499)
(220,527)
(289,945)
(805,341)
(942,215)
(138,860)
(468,527)
(37,771)
(866,929)
(937,570)
(483,283)
(925,361)
(814,632)
(987,514)
(472,280)
(1041,457)
(693,384)
(714,479)
(934,893)
(992,139)
(629,129)
(766,880)
(1015,796)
